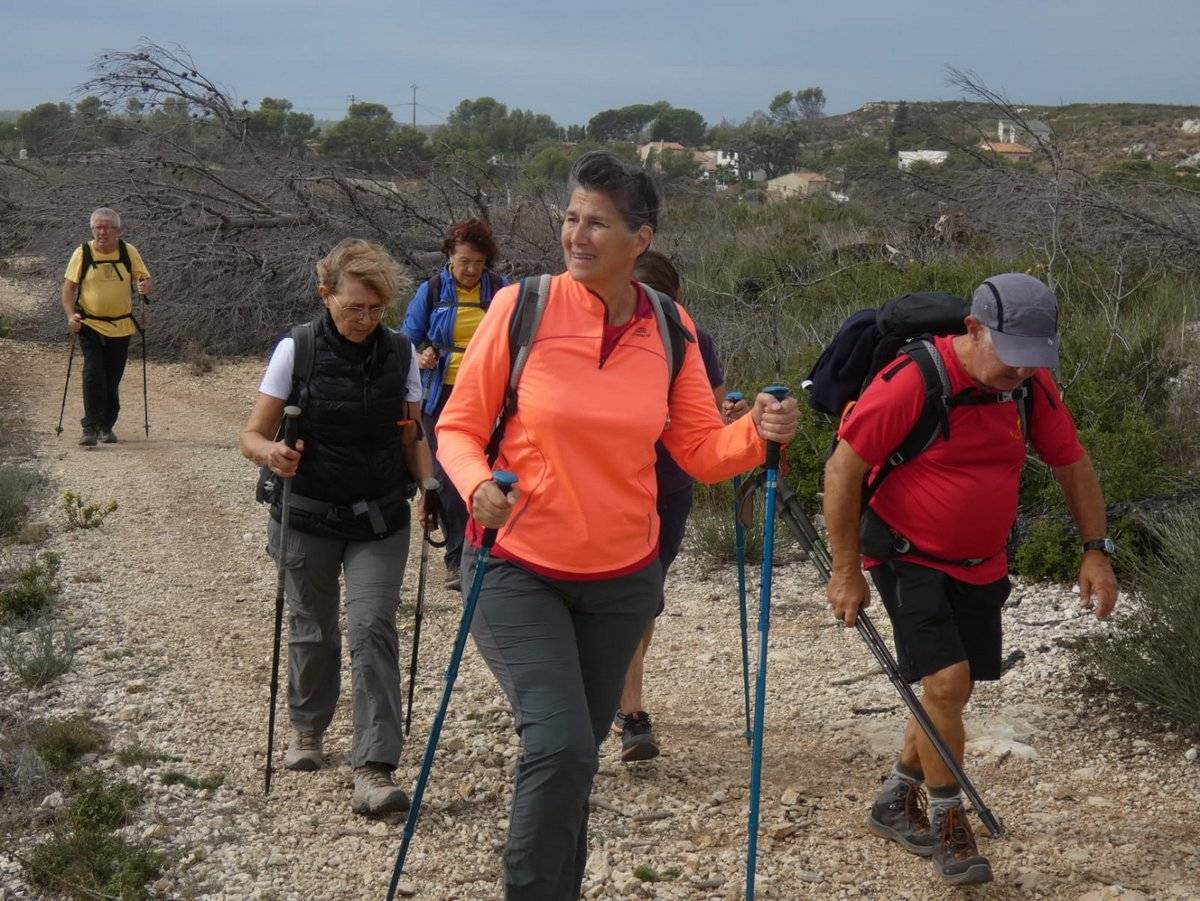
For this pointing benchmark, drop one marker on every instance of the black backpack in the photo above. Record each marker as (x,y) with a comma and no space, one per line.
(522,328)
(304,337)
(89,261)
(901,330)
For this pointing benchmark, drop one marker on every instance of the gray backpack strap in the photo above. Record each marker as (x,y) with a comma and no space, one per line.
(527,316)
(658,301)
(304,337)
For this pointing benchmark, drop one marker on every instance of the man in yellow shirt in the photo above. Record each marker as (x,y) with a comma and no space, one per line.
(96,298)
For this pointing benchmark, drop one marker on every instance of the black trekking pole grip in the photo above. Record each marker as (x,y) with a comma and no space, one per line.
(780,393)
(506,482)
(291,425)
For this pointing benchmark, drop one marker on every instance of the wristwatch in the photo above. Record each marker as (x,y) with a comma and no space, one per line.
(430,484)
(1105,545)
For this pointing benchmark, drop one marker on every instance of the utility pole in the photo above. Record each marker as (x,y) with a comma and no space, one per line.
(414,105)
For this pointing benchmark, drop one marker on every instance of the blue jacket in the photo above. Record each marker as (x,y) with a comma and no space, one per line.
(431,324)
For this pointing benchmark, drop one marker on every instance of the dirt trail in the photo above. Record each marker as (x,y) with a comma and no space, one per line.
(172,604)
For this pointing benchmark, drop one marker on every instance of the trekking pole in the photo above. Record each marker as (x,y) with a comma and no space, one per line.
(426,544)
(807,535)
(739,533)
(506,481)
(145,394)
(291,427)
(771,473)
(63,409)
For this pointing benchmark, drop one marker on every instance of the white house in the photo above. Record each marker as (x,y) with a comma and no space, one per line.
(906,158)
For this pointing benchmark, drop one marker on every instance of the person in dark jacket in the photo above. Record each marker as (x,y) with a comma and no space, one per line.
(442,318)
(360,453)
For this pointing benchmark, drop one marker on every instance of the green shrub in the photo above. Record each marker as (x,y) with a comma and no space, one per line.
(39,652)
(97,802)
(30,591)
(175,777)
(1150,649)
(1050,552)
(83,514)
(60,743)
(17,483)
(92,863)
(138,755)
(711,531)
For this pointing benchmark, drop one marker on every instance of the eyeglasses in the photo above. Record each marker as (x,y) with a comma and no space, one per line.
(372,312)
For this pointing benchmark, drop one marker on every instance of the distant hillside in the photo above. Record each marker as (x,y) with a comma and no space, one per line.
(1092,134)
(10,115)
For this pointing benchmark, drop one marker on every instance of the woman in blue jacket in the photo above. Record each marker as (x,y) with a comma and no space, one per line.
(441,319)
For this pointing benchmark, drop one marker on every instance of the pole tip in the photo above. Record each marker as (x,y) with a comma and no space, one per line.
(734,396)
(779,392)
(291,411)
(505,479)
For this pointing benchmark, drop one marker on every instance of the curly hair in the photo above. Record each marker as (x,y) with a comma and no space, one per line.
(475,232)
(368,262)
(626,184)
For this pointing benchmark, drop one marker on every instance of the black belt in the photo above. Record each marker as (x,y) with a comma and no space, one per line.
(342,512)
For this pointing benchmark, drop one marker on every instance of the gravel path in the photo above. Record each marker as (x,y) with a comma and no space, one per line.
(172,604)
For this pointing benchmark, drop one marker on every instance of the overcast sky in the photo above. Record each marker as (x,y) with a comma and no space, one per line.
(573,59)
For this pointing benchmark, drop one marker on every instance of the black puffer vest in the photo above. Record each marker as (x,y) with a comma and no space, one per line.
(353,456)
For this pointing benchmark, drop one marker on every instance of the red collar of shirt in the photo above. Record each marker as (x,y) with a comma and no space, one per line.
(613,333)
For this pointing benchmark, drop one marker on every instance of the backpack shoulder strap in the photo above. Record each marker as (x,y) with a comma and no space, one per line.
(304,336)
(934,418)
(123,257)
(403,348)
(88,261)
(675,335)
(433,289)
(523,325)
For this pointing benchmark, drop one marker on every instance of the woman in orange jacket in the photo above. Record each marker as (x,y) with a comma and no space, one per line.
(574,577)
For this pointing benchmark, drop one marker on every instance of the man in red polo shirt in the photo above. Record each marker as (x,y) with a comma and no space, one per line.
(950,509)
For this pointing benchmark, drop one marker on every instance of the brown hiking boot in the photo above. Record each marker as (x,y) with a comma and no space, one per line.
(374,791)
(901,814)
(304,751)
(956,857)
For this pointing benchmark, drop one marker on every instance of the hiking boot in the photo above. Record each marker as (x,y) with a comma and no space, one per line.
(637,738)
(304,751)
(956,857)
(453,581)
(374,791)
(900,813)
(88,438)
(618,723)
(108,436)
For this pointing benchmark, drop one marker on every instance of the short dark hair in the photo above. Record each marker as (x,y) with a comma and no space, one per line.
(475,232)
(657,271)
(626,184)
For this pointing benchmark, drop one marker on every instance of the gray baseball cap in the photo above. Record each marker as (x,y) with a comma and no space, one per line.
(1022,314)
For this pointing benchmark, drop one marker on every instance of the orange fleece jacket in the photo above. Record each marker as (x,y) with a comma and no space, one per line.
(581,441)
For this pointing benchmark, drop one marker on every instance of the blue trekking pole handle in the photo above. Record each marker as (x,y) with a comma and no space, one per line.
(779,392)
(507,481)
(739,534)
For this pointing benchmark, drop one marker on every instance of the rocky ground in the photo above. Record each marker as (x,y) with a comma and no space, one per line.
(172,603)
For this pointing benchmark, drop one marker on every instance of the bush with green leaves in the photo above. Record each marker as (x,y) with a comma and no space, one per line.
(85,857)
(38,652)
(60,743)
(1150,649)
(17,484)
(29,590)
(85,514)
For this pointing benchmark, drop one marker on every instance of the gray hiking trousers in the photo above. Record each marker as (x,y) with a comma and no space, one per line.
(559,650)
(374,571)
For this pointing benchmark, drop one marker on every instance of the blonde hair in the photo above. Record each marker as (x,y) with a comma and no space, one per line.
(370,263)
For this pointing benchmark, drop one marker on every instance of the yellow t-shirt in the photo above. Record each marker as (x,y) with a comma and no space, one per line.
(106,288)
(466,321)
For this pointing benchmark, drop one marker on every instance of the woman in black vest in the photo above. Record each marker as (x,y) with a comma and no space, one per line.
(353,470)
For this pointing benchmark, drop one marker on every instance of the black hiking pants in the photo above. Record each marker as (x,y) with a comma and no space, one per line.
(103,365)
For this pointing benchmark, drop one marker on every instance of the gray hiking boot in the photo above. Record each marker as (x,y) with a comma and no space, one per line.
(304,751)
(637,738)
(374,791)
(108,436)
(956,857)
(453,581)
(88,438)
(900,813)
